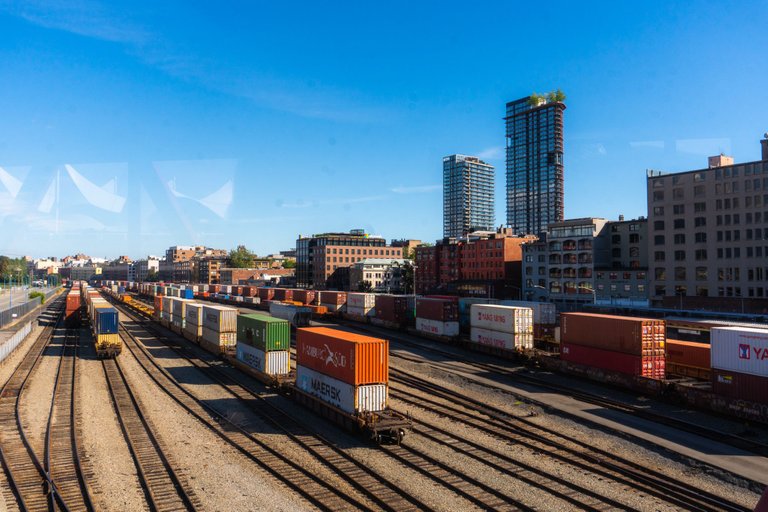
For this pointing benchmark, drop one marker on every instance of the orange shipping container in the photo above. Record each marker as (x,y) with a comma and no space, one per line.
(688,353)
(158,303)
(351,358)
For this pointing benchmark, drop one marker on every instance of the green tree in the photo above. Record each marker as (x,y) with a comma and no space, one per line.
(241,257)
(289,264)
(365,287)
(152,276)
(407,277)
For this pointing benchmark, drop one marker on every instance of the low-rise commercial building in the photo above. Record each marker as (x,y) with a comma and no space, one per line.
(378,275)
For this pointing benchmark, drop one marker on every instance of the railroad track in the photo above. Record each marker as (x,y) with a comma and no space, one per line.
(29,485)
(62,449)
(377,488)
(294,476)
(374,486)
(521,431)
(162,486)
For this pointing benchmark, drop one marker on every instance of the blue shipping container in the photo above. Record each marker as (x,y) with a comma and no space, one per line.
(121,290)
(106,321)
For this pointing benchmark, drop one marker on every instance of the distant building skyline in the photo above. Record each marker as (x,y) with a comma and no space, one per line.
(468,195)
(534,163)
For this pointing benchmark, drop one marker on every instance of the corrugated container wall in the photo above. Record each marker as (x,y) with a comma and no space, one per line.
(348,357)
(637,336)
(333,298)
(437,309)
(437,327)
(543,312)
(264,332)
(740,386)
(739,349)
(220,318)
(509,319)
(650,367)
(347,397)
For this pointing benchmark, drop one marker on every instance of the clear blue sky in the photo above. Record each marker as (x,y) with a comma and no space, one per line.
(126,129)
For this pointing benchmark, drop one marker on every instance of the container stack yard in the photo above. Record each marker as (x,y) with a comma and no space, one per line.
(502,327)
(437,316)
(634,346)
(264,343)
(349,371)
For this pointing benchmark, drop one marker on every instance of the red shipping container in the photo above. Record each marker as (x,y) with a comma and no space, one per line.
(351,358)
(266,293)
(214,288)
(333,298)
(392,308)
(237,290)
(249,291)
(740,386)
(651,367)
(283,294)
(636,336)
(304,296)
(441,310)
(688,353)
(158,303)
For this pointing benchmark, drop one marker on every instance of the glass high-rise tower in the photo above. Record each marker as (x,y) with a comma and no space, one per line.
(534,163)
(468,203)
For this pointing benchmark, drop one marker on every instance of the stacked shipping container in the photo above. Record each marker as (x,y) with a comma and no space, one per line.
(346,370)
(503,327)
(361,304)
(396,310)
(437,316)
(622,344)
(264,343)
(333,301)
(219,327)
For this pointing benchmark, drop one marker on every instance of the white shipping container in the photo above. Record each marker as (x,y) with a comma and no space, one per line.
(222,339)
(740,349)
(544,313)
(347,397)
(220,318)
(276,362)
(437,327)
(503,340)
(194,314)
(251,300)
(178,307)
(360,311)
(502,318)
(361,300)
(194,330)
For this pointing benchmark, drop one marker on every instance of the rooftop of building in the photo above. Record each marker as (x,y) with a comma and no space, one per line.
(653,173)
(381,261)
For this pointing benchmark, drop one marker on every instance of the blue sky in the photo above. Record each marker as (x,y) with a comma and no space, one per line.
(128,128)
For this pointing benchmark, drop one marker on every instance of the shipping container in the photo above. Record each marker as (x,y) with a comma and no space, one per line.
(394,308)
(275,362)
(629,335)
(544,313)
(220,318)
(105,320)
(298,316)
(502,340)
(350,398)
(740,386)
(249,291)
(437,327)
(304,296)
(362,313)
(509,319)
(441,310)
(264,332)
(361,300)
(740,349)
(688,353)
(331,298)
(224,340)
(348,357)
(652,367)
(283,294)
(266,293)
(452,298)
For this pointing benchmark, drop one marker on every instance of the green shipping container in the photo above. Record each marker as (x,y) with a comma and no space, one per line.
(264,332)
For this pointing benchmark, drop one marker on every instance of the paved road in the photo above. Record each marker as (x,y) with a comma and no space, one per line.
(20,296)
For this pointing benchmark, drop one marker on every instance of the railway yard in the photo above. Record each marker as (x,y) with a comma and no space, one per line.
(164,424)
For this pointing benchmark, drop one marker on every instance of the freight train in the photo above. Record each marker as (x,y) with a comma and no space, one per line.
(102,318)
(341,376)
(679,359)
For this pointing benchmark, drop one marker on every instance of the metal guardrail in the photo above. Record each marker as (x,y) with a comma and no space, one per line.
(10,345)
(13,314)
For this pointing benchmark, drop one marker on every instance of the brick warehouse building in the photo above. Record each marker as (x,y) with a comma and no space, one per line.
(482,264)
(323,261)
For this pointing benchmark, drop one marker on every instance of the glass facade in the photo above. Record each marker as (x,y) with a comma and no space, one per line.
(468,203)
(534,164)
